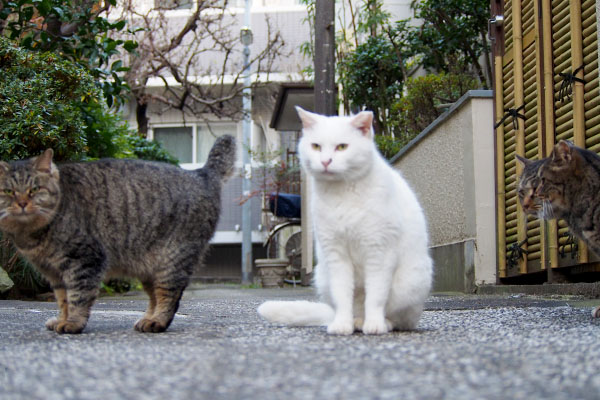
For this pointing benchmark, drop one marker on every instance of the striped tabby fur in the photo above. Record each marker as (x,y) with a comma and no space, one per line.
(80,222)
(565,185)
(570,183)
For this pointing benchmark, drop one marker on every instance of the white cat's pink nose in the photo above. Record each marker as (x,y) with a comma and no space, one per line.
(326,163)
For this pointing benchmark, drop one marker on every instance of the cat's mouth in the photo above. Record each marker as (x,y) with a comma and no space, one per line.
(24,212)
(329,175)
(533,210)
(326,172)
(21,214)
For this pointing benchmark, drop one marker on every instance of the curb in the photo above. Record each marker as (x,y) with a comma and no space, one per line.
(589,290)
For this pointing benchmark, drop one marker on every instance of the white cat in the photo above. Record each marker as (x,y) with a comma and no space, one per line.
(374,270)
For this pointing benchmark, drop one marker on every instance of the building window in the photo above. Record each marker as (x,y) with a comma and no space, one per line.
(178,141)
(174,4)
(191,144)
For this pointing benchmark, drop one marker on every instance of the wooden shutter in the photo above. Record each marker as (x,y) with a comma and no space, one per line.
(520,95)
(545,43)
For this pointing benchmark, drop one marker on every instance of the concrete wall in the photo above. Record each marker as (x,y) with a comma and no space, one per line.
(450,165)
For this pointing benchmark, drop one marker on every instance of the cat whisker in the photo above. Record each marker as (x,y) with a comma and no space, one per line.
(547,211)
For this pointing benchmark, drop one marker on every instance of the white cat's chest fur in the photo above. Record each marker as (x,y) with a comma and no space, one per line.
(363,217)
(349,209)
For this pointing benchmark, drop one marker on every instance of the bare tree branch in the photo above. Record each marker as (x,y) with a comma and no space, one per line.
(198,59)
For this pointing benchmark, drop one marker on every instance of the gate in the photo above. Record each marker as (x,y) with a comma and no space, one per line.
(546,89)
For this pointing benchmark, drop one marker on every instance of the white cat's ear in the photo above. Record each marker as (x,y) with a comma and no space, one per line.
(43,163)
(363,121)
(308,119)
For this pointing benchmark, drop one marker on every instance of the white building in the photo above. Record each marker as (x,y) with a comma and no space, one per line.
(189,137)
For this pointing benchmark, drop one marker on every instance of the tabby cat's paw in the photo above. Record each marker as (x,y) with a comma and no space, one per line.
(69,327)
(149,325)
(51,324)
(341,328)
(596,312)
(376,327)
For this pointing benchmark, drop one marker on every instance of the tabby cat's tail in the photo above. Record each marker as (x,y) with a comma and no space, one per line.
(222,156)
(296,313)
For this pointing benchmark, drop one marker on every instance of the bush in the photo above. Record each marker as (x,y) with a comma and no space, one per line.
(147,150)
(372,77)
(388,146)
(423,99)
(27,280)
(422,103)
(106,133)
(41,98)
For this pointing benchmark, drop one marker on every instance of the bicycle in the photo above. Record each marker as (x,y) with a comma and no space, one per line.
(284,240)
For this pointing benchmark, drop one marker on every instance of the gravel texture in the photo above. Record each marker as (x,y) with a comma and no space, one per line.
(466,347)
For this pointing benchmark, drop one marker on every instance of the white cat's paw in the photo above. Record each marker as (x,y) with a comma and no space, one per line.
(340,328)
(376,327)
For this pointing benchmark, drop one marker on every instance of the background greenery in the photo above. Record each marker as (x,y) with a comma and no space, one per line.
(61,84)
(376,57)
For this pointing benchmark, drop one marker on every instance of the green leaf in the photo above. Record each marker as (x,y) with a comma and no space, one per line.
(130,45)
(119,25)
(44,7)
(116,65)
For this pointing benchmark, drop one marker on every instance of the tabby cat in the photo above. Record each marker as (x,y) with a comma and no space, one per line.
(528,184)
(78,223)
(565,185)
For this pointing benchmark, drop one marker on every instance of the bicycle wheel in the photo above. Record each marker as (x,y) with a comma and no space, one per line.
(293,251)
(277,246)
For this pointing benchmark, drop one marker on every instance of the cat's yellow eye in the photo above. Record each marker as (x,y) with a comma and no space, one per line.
(341,147)
(316,146)
(34,190)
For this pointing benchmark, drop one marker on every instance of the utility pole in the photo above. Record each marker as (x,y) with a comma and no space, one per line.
(246,39)
(324,104)
(325,57)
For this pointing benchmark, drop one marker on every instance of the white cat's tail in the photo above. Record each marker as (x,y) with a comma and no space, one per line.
(296,313)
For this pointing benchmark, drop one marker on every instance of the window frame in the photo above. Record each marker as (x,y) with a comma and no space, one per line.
(197,127)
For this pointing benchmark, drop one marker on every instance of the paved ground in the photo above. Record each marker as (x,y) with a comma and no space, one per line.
(466,347)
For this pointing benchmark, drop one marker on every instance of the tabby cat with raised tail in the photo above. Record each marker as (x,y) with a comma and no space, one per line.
(78,223)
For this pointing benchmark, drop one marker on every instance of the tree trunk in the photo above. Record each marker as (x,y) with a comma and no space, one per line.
(487,62)
(325,57)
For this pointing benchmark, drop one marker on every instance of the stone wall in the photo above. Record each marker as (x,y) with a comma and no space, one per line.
(450,165)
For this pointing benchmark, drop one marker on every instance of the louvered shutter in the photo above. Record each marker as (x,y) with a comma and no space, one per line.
(533,83)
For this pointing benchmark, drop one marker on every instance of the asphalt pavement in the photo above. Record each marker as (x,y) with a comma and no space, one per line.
(466,347)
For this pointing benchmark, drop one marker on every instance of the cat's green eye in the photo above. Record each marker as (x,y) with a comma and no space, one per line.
(8,192)
(34,190)
(316,146)
(341,147)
